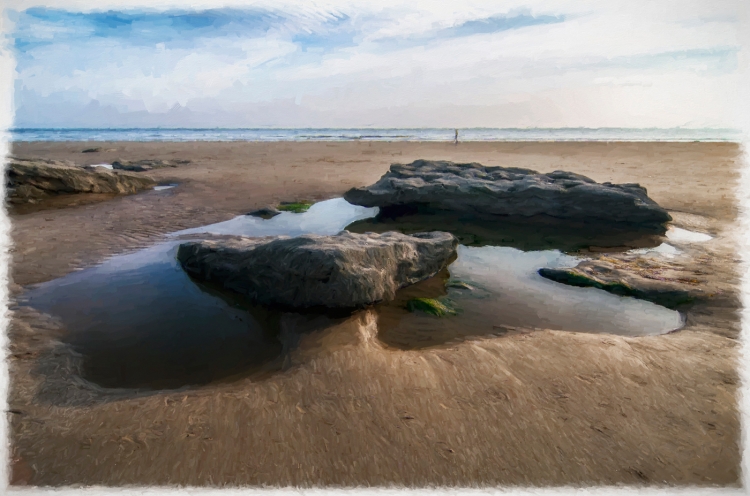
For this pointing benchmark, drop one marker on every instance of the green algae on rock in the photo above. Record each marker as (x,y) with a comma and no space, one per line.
(295,207)
(430,306)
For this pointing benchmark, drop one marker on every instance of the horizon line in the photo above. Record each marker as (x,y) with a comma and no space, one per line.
(680,128)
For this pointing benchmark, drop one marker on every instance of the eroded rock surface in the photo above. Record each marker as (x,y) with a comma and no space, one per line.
(342,271)
(497,192)
(30,180)
(265,213)
(624,281)
(146,165)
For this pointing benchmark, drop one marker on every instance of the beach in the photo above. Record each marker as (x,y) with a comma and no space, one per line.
(534,407)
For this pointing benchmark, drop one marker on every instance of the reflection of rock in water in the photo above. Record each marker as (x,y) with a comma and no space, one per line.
(509,206)
(528,234)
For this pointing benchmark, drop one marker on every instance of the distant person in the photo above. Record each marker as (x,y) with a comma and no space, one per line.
(456,138)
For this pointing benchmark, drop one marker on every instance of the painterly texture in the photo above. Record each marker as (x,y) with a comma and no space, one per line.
(497,192)
(32,180)
(342,271)
(488,406)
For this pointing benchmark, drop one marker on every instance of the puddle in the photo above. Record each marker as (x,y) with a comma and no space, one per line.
(327,217)
(139,321)
(163,187)
(507,292)
(679,235)
(106,166)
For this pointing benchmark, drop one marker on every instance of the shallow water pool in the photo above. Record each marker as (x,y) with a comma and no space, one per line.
(139,321)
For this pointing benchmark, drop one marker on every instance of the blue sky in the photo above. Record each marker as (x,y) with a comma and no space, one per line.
(400,64)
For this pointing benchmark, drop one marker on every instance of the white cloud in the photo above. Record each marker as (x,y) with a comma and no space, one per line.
(608,64)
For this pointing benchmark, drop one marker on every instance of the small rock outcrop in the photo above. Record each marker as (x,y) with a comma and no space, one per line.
(30,180)
(265,213)
(342,271)
(146,165)
(604,275)
(500,192)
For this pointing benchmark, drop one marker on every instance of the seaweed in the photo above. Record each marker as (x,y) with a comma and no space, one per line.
(430,306)
(297,207)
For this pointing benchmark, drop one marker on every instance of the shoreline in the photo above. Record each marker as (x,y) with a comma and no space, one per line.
(11,143)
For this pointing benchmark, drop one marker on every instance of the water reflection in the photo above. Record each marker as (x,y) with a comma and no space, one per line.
(139,321)
(507,292)
(528,234)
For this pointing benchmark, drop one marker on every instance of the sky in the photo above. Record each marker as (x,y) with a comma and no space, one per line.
(395,64)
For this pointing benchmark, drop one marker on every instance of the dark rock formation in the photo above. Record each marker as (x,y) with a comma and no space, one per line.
(499,192)
(146,165)
(342,271)
(30,180)
(604,275)
(264,213)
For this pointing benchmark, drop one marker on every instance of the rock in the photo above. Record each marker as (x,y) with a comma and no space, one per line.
(33,179)
(430,306)
(26,193)
(92,150)
(264,213)
(342,271)
(297,207)
(499,192)
(146,165)
(604,275)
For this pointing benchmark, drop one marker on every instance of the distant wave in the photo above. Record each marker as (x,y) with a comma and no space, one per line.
(372,134)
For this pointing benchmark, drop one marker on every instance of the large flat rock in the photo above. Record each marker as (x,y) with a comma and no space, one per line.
(33,179)
(497,192)
(342,271)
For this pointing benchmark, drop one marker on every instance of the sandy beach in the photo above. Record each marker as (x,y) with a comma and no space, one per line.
(541,407)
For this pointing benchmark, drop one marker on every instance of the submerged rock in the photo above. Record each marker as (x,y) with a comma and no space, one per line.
(498,192)
(297,207)
(342,271)
(264,213)
(604,275)
(146,165)
(34,179)
(430,306)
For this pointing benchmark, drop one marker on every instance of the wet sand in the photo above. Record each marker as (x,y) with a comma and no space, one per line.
(524,407)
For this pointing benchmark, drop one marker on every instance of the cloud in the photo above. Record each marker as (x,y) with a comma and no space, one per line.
(355,64)
(497,24)
(179,28)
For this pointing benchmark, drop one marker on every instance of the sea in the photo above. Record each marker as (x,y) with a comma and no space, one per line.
(372,134)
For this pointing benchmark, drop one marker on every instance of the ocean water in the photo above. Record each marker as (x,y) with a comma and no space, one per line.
(371,134)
